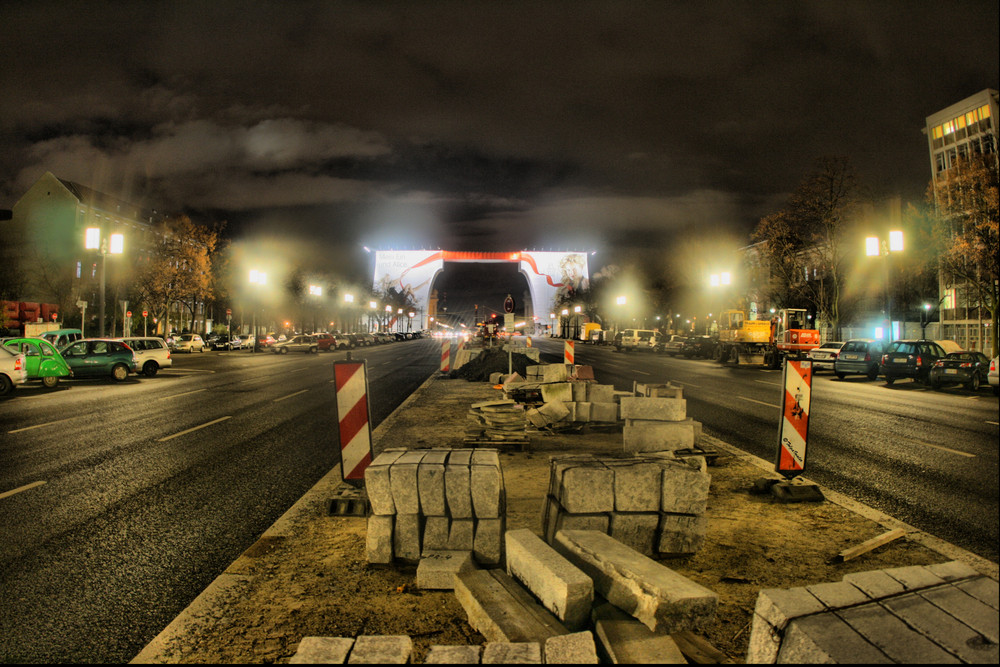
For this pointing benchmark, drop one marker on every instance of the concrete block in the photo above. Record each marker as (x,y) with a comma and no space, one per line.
(953,570)
(378,540)
(914,577)
(583,486)
(556,372)
(603,411)
(622,640)
(876,584)
(657,409)
(600,393)
(551,412)
(684,489)
(495,378)
(838,594)
(377,483)
(487,543)
(892,636)
(659,391)
(461,535)
(486,484)
(573,649)
(579,391)
(566,521)
(322,651)
(512,653)
(944,629)
(637,485)
(406,537)
(652,436)
(681,533)
(435,537)
(571,406)
(826,639)
(457,484)
(584,411)
(637,530)
(437,569)
(403,480)
(381,650)
(977,615)
(561,587)
(983,589)
(430,483)
(453,655)
(557,391)
(654,594)
(499,609)
(774,609)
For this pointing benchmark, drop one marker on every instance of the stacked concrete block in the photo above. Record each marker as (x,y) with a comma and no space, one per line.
(512,653)
(464,356)
(559,585)
(569,394)
(577,648)
(654,504)
(916,614)
(434,500)
(658,423)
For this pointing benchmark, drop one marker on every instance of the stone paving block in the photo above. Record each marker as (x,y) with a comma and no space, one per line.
(875,584)
(457,484)
(684,489)
(487,545)
(764,642)
(622,640)
(435,536)
(515,653)
(656,595)
(430,483)
(775,607)
(577,648)
(461,535)
(560,586)
(657,409)
(486,484)
(659,391)
(322,651)
(377,484)
(980,617)
(567,521)
(914,576)
(406,537)
(453,655)
(557,391)
(943,629)
(952,570)
(579,392)
(584,411)
(638,530)
(378,539)
(983,589)
(637,485)
(838,594)
(892,636)
(681,533)
(500,610)
(651,436)
(381,650)
(826,639)
(584,486)
(600,393)
(603,411)
(403,480)
(437,569)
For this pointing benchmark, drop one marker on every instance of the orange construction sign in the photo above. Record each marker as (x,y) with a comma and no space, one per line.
(793,431)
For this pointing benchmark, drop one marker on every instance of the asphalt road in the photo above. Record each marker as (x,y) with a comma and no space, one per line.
(925,457)
(135,496)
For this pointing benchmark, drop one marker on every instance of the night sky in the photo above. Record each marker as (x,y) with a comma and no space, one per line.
(621,127)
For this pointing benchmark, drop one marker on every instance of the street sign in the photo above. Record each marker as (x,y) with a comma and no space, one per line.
(81,304)
(128,313)
(508,304)
(793,431)
(145,313)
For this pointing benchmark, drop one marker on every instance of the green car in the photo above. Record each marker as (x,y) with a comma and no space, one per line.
(96,357)
(42,360)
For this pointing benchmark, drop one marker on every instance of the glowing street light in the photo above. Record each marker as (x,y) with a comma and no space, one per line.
(259,279)
(92,241)
(877,247)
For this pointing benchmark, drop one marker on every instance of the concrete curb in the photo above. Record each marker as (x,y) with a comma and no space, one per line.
(946,549)
(232,581)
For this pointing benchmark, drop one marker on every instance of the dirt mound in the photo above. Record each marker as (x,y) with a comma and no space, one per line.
(493,360)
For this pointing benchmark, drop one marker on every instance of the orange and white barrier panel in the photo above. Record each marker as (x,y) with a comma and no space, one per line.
(351,381)
(569,353)
(793,432)
(445,355)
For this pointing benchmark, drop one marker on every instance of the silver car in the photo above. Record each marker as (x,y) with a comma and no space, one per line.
(151,352)
(301,343)
(190,343)
(825,356)
(13,370)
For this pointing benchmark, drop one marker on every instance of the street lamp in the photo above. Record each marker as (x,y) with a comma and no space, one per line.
(92,241)
(721,279)
(258,278)
(877,247)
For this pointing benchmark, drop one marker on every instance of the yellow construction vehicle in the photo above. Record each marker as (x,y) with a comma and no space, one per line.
(764,342)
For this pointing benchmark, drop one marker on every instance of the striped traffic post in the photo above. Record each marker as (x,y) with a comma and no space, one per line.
(569,356)
(351,382)
(793,432)
(445,355)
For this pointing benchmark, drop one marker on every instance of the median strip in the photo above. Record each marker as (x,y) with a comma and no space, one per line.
(289,396)
(196,428)
(7,494)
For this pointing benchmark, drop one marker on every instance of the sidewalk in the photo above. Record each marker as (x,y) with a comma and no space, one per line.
(308,576)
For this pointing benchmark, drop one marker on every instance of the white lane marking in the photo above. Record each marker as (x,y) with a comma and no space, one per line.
(29,428)
(773,384)
(689,384)
(177,435)
(643,372)
(942,448)
(171,369)
(994,423)
(193,391)
(289,396)
(770,405)
(7,494)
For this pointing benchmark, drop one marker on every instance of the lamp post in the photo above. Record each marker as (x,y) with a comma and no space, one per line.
(93,241)
(877,247)
(258,278)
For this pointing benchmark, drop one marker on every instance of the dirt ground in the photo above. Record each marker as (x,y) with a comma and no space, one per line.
(309,577)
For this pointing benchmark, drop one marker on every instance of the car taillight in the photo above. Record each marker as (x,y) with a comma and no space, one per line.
(868,356)
(938,364)
(967,364)
(168,355)
(18,363)
(920,361)
(885,358)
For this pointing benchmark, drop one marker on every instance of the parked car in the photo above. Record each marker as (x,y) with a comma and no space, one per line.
(910,359)
(356,340)
(190,343)
(859,356)
(341,342)
(824,356)
(245,340)
(60,338)
(152,353)
(636,339)
(265,341)
(12,370)
(223,342)
(968,368)
(698,346)
(95,357)
(674,346)
(300,343)
(324,341)
(42,360)
(993,377)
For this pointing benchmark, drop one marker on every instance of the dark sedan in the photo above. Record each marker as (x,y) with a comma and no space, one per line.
(859,356)
(966,368)
(910,359)
(698,346)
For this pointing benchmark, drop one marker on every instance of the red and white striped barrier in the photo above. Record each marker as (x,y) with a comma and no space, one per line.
(793,432)
(445,355)
(569,354)
(351,381)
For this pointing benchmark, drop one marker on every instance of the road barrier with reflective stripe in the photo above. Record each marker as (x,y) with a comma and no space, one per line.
(793,431)
(351,381)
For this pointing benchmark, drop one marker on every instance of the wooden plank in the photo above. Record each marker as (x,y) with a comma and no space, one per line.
(698,650)
(869,545)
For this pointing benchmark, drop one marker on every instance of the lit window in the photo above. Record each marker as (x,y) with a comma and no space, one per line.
(984,111)
(971,118)
(960,121)
(949,127)
(938,132)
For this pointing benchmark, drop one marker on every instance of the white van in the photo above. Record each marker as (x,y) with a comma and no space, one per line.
(637,339)
(151,352)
